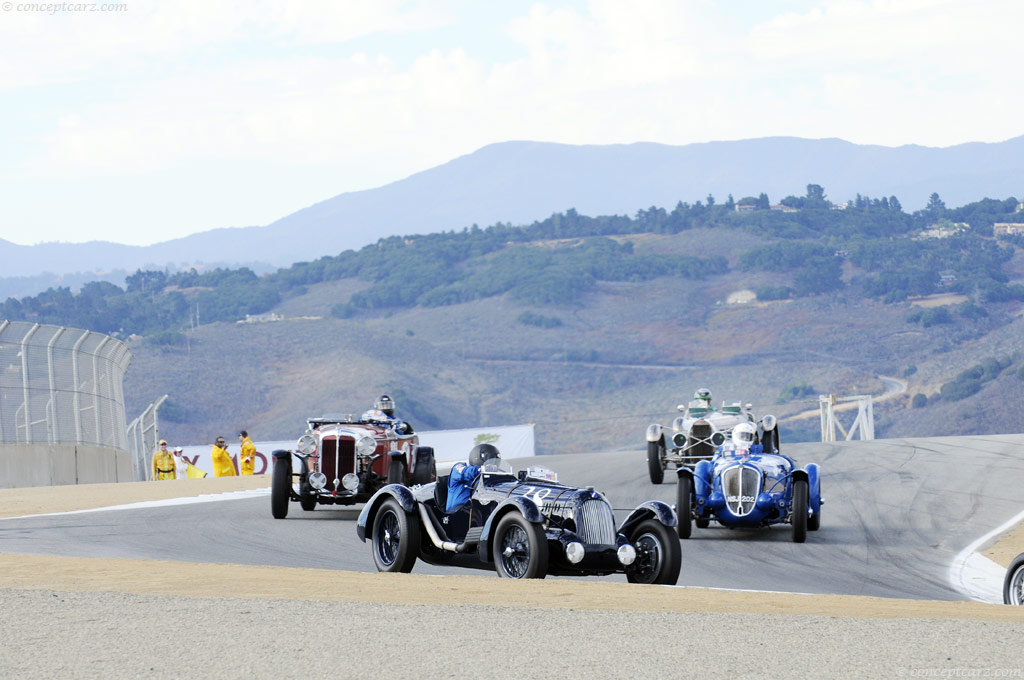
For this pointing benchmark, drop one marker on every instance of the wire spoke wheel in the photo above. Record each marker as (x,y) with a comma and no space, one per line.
(650,555)
(389,538)
(515,552)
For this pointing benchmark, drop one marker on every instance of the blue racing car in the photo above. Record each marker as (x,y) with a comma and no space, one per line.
(748,483)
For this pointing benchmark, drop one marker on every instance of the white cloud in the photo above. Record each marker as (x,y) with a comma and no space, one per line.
(193,83)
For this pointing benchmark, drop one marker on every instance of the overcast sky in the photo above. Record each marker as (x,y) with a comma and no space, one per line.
(168,118)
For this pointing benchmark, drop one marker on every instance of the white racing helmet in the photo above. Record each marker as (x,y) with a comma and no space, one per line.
(743,435)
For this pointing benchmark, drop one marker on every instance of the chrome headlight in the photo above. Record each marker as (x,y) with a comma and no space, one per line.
(350,481)
(574,551)
(366,446)
(626,554)
(306,444)
(317,480)
(718,439)
(679,440)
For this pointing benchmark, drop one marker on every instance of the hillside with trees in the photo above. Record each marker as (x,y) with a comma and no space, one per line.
(583,315)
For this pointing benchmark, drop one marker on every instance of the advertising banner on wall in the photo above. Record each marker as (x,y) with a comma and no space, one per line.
(514,441)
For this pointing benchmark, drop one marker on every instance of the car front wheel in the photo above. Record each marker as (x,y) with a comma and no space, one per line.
(520,548)
(683,505)
(654,464)
(280,488)
(799,511)
(396,538)
(1013,586)
(658,555)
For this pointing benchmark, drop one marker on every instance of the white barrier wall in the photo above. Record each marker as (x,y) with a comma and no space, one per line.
(514,441)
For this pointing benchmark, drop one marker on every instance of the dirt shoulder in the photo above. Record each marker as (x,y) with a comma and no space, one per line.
(38,500)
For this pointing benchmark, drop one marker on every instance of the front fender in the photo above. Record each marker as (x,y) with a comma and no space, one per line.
(646,510)
(702,482)
(654,432)
(525,506)
(400,493)
(814,487)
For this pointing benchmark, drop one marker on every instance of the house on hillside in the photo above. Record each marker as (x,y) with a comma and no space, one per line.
(944,230)
(1007,228)
(841,206)
(745,207)
(269,317)
(779,207)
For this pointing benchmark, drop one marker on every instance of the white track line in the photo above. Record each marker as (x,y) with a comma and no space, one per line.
(975,575)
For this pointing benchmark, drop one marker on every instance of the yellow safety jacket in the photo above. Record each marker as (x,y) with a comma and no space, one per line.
(247,461)
(164,465)
(223,466)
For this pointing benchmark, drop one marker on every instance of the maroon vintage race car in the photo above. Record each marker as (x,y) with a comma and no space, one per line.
(345,459)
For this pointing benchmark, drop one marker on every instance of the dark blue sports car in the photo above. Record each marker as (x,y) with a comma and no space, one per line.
(745,485)
(523,525)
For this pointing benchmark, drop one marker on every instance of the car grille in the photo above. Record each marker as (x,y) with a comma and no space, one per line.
(595,522)
(699,444)
(331,464)
(741,485)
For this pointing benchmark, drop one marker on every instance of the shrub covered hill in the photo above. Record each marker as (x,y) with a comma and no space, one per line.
(593,327)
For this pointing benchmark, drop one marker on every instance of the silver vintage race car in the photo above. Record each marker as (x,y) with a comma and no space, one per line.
(694,435)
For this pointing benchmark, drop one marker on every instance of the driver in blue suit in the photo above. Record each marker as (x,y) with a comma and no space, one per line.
(462,476)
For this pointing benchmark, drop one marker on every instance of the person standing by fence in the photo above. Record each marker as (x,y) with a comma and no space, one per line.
(223,466)
(247,461)
(164,466)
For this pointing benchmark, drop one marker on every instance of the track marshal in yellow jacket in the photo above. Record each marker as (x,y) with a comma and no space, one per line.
(223,466)
(247,461)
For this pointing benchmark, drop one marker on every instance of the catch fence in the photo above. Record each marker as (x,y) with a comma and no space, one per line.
(61,386)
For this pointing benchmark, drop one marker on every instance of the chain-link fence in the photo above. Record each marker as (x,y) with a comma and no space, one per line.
(143,435)
(61,386)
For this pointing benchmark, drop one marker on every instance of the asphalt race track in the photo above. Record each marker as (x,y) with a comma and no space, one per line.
(897,513)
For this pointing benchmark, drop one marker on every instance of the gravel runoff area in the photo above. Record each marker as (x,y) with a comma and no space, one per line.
(90,618)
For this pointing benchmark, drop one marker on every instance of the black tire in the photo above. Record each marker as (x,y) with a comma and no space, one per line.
(520,548)
(702,523)
(654,465)
(814,521)
(799,518)
(684,507)
(1013,585)
(396,538)
(425,470)
(658,555)
(281,488)
(396,471)
(308,503)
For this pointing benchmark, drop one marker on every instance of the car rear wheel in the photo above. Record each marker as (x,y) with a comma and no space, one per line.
(702,523)
(396,471)
(799,511)
(396,538)
(654,464)
(280,488)
(520,548)
(425,470)
(658,555)
(1013,586)
(684,495)
(308,503)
